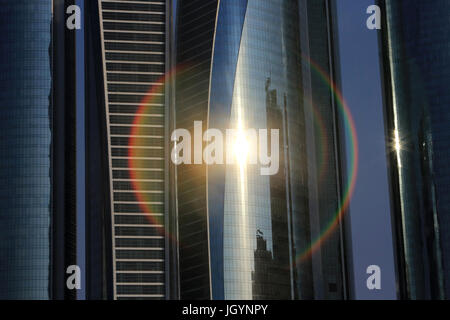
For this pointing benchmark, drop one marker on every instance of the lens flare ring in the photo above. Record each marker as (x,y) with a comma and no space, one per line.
(351,134)
(241,152)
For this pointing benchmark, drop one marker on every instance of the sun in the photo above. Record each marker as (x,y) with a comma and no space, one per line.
(241,148)
(398,142)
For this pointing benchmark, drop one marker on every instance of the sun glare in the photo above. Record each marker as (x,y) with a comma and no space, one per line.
(398,145)
(241,148)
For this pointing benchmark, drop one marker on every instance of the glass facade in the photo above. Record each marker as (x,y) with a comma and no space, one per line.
(133,39)
(240,232)
(264,93)
(417,71)
(26,146)
(229,28)
(324,151)
(196,20)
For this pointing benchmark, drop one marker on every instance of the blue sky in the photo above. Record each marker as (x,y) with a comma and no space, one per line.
(369,207)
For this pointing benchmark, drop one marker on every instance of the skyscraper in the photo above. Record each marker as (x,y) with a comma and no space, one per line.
(416,73)
(37,172)
(241,235)
(127,213)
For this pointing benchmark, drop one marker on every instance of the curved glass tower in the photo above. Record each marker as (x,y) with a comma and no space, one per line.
(241,233)
(254,82)
(25,167)
(417,72)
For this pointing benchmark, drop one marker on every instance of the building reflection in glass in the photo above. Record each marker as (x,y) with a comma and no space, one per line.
(253,77)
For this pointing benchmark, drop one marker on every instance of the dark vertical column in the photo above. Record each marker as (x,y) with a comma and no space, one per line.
(64,172)
(194,56)
(99,278)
